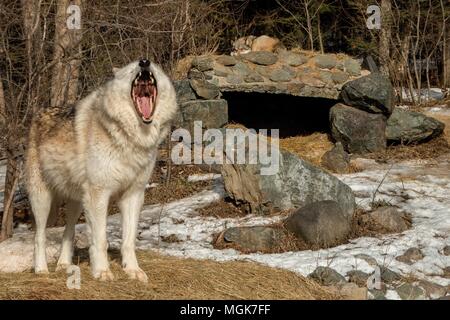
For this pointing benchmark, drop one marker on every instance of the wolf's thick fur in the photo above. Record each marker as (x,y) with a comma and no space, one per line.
(252,43)
(85,156)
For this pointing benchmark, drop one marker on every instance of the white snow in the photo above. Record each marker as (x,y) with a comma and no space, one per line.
(425,94)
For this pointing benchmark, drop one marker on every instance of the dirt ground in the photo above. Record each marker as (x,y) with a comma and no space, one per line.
(169,278)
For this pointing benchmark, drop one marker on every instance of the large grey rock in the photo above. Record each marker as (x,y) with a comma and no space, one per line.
(184,91)
(446,251)
(294,183)
(253,77)
(241,69)
(389,276)
(264,58)
(282,75)
(408,291)
(410,256)
(390,219)
(203,63)
(352,66)
(373,93)
(408,127)
(292,58)
(358,131)
(212,113)
(339,76)
(359,277)
(325,61)
(327,276)
(350,291)
(255,238)
(432,290)
(205,89)
(226,60)
(336,159)
(320,223)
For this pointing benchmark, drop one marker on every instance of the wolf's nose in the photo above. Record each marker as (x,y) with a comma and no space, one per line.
(144,63)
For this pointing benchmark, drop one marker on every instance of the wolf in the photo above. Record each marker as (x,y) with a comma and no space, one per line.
(248,44)
(102,148)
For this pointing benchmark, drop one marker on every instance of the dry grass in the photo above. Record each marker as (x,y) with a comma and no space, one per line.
(427,150)
(222,209)
(170,278)
(310,148)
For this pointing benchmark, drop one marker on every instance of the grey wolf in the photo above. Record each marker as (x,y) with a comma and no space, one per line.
(252,43)
(101,149)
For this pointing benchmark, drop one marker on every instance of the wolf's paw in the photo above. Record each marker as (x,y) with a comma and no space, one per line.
(105,275)
(41,270)
(136,274)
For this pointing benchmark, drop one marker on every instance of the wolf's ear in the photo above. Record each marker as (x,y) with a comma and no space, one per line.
(114,69)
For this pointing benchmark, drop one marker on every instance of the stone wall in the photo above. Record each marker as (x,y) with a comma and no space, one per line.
(298,73)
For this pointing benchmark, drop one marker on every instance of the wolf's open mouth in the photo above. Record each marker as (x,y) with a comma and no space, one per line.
(143,94)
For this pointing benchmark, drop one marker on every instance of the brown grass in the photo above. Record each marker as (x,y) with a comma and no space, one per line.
(170,278)
(310,148)
(222,209)
(427,150)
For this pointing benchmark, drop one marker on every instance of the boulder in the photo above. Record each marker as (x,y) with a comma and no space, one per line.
(292,58)
(376,294)
(336,159)
(411,127)
(253,77)
(325,61)
(408,291)
(410,256)
(282,75)
(226,60)
(358,131)
(373,93)
(390,219)
(212,113)
(339,76)
(446,251)
(432,290)
(320,223)
(203,63)
(205,89)
(264,58)
(350,291)
(389,276)
(292,183)
(255,238)
(352,66)
(327,276)
(184,91)
(358,277)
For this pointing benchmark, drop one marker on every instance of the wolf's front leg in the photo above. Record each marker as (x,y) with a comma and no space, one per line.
(95,203)
(130,206)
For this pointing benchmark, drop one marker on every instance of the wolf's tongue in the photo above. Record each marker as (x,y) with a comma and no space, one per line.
(145,106)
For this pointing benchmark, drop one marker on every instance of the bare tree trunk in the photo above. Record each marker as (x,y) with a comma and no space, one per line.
(309,25)
(67,56)
(31,27)
(446,59)
(319,34)
(11,182)
(385,36)
(2,105)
